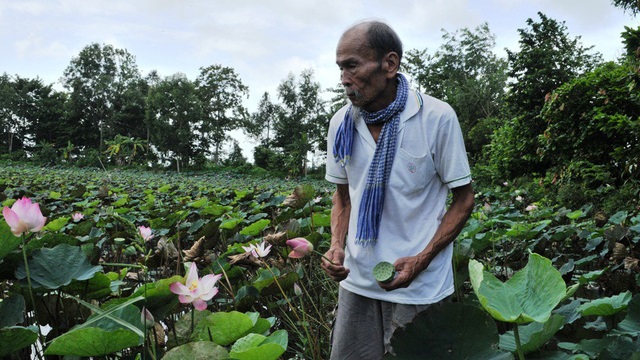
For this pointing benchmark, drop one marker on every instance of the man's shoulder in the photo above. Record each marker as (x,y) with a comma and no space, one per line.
(339,115)
(433,103)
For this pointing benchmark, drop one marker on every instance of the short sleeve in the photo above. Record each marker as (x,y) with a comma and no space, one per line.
(335,172)
(451,159)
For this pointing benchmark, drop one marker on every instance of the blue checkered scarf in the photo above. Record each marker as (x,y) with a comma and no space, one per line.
(370,211)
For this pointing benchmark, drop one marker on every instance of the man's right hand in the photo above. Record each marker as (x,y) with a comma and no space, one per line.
(334,265)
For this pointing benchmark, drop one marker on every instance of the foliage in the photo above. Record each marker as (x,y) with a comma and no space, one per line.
(102,81)
(173,114)
(595,118)
(627,5)
(220,92)
(466,73)
(30,111)
(547,58)
(631,41)
(103,259)
(302,123)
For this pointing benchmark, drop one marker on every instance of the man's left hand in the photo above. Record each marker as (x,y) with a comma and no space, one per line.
(407,269)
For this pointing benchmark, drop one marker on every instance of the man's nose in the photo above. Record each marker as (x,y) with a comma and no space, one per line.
(345,80)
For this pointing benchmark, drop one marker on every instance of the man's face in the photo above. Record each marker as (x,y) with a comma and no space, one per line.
(362,74)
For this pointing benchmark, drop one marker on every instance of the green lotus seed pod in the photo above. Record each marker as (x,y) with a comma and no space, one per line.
(384,272)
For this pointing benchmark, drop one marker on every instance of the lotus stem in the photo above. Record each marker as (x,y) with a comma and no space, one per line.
(516,335)
(33,301)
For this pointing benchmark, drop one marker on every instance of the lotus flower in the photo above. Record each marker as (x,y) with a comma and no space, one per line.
(77,216)
(258,251)
(145,232)
(300,247)
(24,216)
(196,291)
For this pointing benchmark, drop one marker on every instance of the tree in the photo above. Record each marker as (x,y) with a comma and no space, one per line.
(173,112)
(595,119)
(633,6)
(547,58)
(220,91)
(235,158)
(102,82)
(631,41)
(260,123)
(30,112)
(303,121)
(417,64)
(467,74)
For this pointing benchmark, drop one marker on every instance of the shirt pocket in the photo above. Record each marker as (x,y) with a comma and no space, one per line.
(411,173)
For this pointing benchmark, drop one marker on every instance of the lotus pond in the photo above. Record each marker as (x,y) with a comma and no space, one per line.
(100,279)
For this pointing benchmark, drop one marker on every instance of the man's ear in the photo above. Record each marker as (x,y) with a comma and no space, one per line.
(391,64)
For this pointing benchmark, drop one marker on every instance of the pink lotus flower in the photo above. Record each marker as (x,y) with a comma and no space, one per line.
(24,216)
(531,207)
(300,247)
(77,216)
(145,232)
(196,291)
(258,251)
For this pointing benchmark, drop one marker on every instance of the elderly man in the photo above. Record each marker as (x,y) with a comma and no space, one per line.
(394,154)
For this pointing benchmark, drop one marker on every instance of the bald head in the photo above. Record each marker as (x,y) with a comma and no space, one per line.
(381,38)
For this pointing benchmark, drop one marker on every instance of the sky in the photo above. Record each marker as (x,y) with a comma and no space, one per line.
(264,41)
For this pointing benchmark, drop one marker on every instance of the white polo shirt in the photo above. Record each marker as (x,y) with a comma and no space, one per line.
(430,159)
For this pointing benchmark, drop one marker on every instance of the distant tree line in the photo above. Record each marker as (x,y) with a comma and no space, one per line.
(109,111)
(553,110)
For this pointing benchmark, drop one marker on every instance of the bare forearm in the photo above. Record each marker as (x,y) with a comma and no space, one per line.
(451,225)
(340,216)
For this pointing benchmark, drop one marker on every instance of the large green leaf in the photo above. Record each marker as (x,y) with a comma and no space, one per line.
(609,347)
(223,327)
(15,338)
(53,268)
(8,241)
(92,341)
(197,350)
(606,306)
(183,330)
(158,298)
(631,323)
(99,286)
(12,310)
(321,219)
(230,224)
(449,331)
(532,336)
(255,228)
(530,295)
(112,317)
(260,347)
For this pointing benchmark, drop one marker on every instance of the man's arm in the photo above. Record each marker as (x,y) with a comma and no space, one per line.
(339,227)
(453,221)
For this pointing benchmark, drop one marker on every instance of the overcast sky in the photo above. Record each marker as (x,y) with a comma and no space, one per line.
(265,40)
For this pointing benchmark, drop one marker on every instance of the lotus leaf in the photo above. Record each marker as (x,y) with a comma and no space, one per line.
(53,268)
(15,338)
(530,295)
(259,347)
(12,310)
(197,350)
(449,331)
(533,336)
(223,327)
(92,341)
(8,241)
(606,306)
